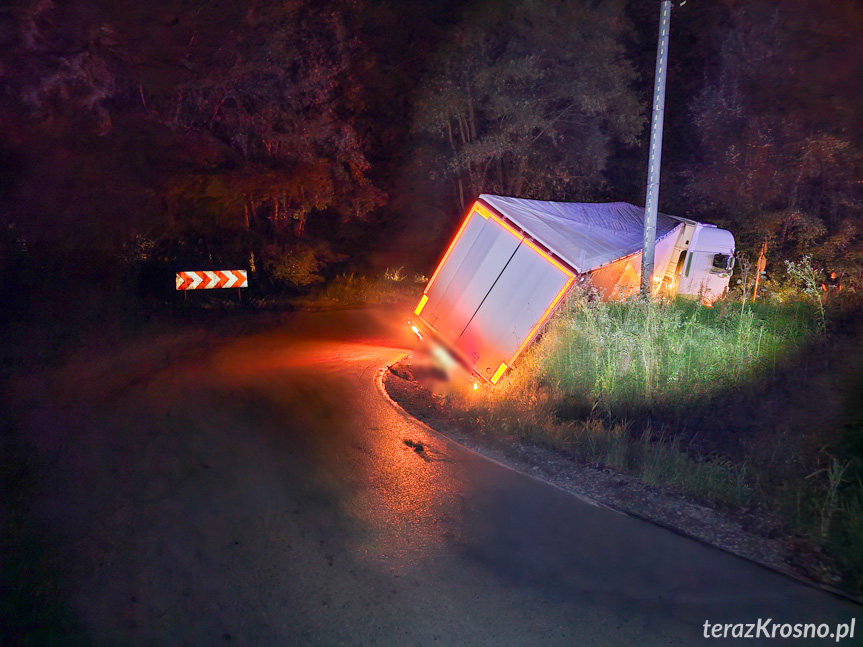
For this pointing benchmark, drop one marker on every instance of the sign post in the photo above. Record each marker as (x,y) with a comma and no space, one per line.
(651,203)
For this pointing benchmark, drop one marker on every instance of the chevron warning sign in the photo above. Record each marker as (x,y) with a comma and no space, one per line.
(211,279)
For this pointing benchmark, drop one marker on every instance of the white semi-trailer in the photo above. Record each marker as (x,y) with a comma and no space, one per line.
(513,260)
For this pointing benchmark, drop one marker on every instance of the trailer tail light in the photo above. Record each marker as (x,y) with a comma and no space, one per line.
(481,210)
(498,373)
(421,305)
(417,332)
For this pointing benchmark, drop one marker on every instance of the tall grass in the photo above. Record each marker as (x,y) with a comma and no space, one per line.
(600,365)
(394,286)
(845,538)
(604,372)
(620,357)
(651,458)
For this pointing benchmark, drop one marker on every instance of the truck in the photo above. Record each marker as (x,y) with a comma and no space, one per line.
(513,260)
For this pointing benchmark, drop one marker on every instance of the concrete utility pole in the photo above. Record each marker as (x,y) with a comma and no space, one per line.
(651,203)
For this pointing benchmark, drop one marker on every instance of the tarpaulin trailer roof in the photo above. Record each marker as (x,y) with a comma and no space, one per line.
(585,235)
(514,259)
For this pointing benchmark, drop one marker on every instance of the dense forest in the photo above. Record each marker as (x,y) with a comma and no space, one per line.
(299,139)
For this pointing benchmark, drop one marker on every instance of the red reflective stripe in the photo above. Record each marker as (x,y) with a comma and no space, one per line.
(187,281)
(451,246)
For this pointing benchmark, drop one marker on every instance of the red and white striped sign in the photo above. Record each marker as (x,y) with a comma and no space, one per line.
(211,279)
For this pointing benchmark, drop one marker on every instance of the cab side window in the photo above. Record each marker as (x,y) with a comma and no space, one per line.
(722,263)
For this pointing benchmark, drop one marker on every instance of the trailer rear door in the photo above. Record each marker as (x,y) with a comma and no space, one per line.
(491,292)
(515,306)
(467,273)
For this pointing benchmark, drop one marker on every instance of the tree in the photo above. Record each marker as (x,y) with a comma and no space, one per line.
(528,99)
(779,154)
(236,121)
(280,96)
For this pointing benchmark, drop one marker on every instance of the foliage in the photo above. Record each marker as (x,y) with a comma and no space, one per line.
(280,94)
(216,131)
(514,411)
(619,357)
(397,275)
(779,154)
(365,290)
(293,266)
(528,98)
(809,281)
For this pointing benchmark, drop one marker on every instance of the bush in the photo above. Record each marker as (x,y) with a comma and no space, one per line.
(358,290)
(293,266)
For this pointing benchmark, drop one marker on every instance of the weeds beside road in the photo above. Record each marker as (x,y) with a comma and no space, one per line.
(347,290)
(748,407)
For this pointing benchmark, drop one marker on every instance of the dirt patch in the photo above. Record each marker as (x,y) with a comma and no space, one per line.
(753,534)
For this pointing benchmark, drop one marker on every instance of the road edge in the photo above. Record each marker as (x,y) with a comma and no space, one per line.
(379,383)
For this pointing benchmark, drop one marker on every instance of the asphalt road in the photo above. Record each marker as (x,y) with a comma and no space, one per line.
(261,493)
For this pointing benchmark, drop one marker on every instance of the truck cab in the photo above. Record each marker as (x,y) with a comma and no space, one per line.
(704,270)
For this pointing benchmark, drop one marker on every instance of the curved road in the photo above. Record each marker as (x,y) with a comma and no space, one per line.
(261,493)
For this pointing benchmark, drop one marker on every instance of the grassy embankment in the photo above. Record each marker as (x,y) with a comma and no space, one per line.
(704,401)
(347,290)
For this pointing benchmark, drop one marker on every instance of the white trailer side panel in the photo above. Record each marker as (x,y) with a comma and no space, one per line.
(515,305)
(467,274)
(490,293)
